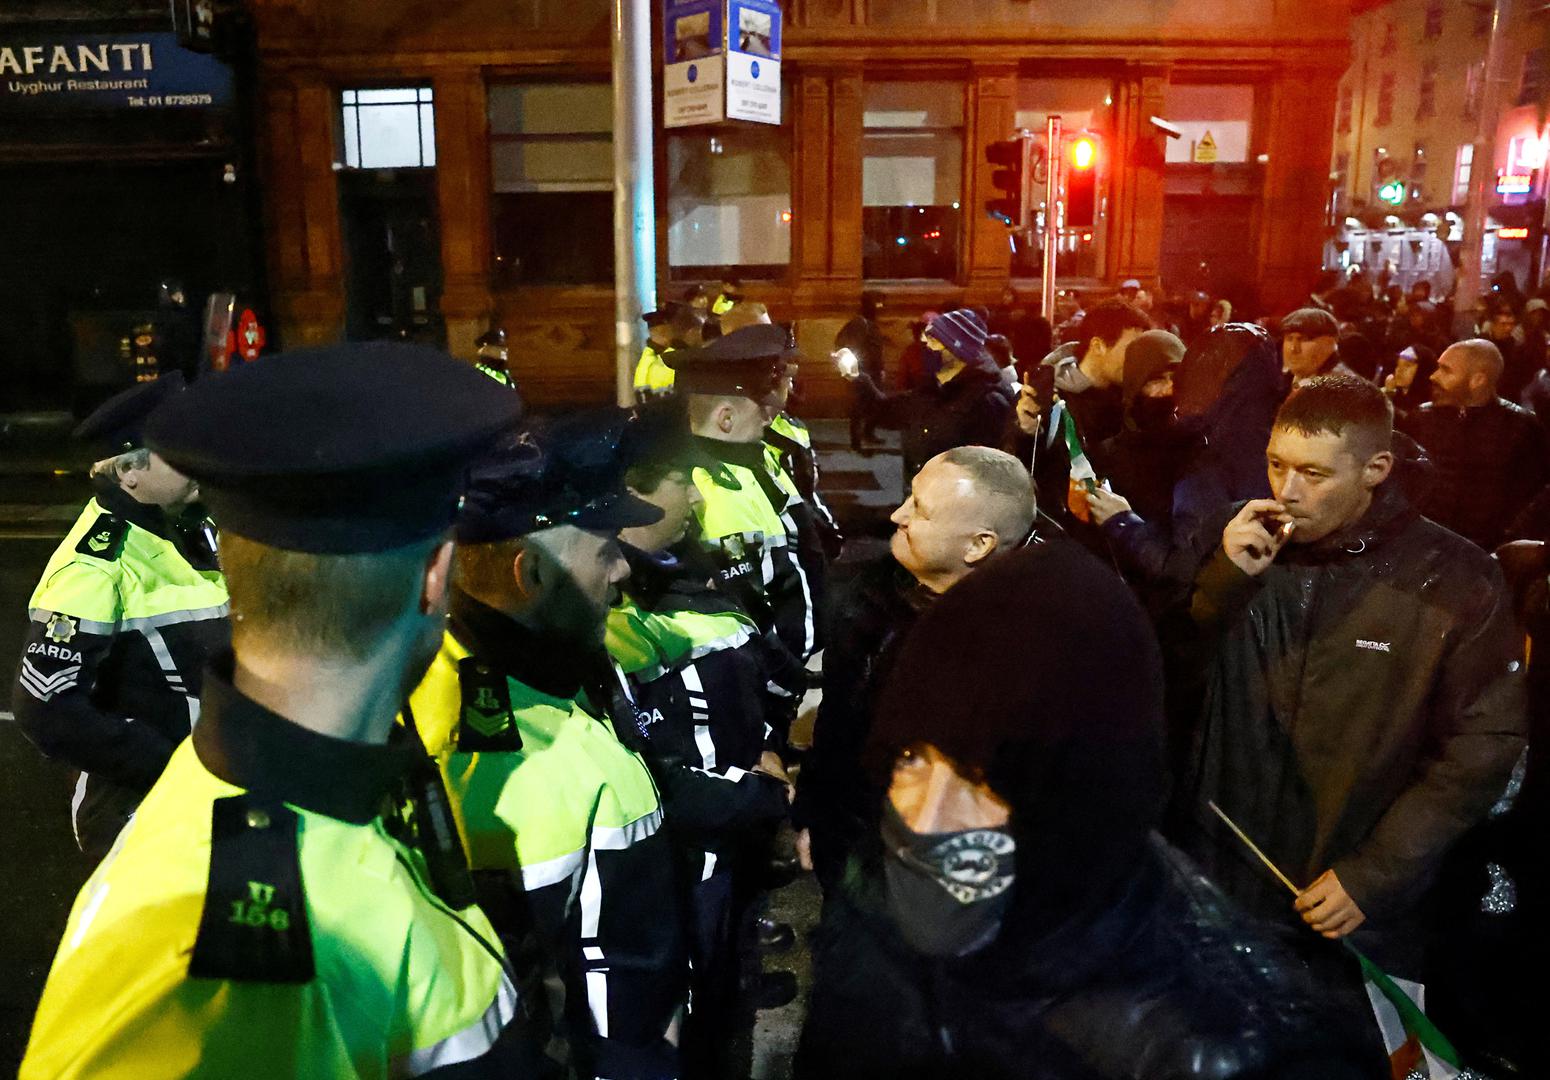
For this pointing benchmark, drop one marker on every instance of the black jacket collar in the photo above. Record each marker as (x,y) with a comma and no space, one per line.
(118,502)
(245,744)
(748,455)
(549,664)
(188,533)
(1386,517)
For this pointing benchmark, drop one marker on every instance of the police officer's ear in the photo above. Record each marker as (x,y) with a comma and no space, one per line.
(982,545)
(527,570)
(436,585)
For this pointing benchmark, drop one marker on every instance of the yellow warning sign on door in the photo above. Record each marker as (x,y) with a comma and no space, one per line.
(1205,150)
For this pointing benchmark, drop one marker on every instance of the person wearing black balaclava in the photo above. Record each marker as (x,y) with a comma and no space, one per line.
(1014,914)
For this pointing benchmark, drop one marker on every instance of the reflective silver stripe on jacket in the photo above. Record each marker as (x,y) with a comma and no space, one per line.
(466,1045)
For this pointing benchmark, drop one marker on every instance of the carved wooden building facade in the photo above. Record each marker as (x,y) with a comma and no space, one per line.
(500,213)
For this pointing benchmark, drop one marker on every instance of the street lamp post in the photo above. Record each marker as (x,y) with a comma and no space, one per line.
(635,225)
(1482,174)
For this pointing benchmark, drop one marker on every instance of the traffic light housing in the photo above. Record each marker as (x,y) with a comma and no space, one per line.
(1082,182)
(1011,175)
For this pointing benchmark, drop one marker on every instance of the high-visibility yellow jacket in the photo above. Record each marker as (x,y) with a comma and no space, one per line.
(257,918)
(129,609)
(542,787)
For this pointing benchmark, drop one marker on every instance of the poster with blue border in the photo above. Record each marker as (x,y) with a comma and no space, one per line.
(753,60)
(694,72)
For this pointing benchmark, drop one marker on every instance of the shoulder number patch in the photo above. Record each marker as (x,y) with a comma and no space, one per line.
(487,722)
(254,926)
(105,539)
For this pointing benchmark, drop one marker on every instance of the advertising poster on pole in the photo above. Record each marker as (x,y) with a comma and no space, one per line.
(753,61)
(694,67)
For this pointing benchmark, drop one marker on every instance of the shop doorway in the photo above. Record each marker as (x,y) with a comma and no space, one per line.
(1209,243)
(392,243)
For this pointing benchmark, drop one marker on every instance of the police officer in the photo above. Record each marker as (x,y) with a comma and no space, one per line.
(749,517)
(257,916)
(553,800)
(492,357)
(697,668)
(129,608)
(653,377)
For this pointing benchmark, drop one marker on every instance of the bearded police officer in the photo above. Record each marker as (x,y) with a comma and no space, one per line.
(559,813)
(126,613)
(258,915)
(697,669)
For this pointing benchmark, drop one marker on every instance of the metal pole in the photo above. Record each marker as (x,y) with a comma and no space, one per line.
(635,220)
(1053,164)
(1482,174)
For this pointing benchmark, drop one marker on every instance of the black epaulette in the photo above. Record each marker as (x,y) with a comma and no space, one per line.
(488,722)
(254,927)
(105,539)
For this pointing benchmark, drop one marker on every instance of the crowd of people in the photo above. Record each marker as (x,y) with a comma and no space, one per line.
(1180,732)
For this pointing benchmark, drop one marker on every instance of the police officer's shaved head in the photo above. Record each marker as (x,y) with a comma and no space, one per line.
(1003,488)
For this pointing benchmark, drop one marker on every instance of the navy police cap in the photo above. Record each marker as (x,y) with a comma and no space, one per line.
(121,419)
(339,450)
(750,361)
(568,472)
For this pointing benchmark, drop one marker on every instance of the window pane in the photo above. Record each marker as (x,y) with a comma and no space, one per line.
(352,137)
(729,202)
(551,171)
(552,164)
(911,179)
(1224,111)
(551,109)
(400,134)
(390,136)
(912,168)
(913,105)
(910,241)
(558,238)
(396,96)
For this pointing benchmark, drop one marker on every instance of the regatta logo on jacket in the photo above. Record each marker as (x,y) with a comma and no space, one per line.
(1375,646)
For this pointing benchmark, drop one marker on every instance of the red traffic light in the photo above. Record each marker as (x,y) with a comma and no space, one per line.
(1083,152)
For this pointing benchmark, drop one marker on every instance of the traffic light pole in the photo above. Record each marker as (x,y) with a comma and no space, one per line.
(635,222)
(1054,164)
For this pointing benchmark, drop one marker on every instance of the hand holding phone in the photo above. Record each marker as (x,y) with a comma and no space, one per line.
(847,362)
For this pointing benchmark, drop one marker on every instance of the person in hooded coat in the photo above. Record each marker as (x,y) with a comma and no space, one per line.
(1015,914)
(1225,395)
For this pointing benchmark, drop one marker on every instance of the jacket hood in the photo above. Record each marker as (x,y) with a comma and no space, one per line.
(1011,673)
(1227,389)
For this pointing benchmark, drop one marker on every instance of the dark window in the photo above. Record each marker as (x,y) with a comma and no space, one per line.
(1535,84)
(1433,19)
(1346,108)
(1389,39)
(1483,13)
(1474,81)
(912,180)
(551,166)
(1426,94)
(1385,111)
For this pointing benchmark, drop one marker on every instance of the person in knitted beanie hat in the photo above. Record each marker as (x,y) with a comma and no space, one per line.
(1018,916)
